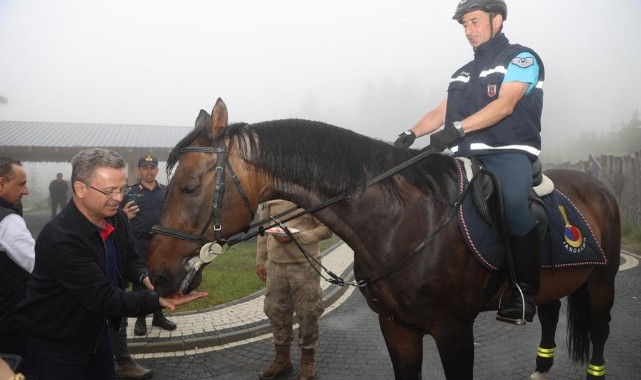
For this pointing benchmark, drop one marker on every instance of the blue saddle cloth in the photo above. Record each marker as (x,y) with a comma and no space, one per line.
(569,240)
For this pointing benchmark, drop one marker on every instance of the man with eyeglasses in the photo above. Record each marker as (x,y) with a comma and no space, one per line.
(75,299)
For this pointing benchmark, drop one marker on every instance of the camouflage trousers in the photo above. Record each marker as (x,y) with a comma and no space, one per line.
(293,288)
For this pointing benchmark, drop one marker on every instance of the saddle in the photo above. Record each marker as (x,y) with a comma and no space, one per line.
(486,194)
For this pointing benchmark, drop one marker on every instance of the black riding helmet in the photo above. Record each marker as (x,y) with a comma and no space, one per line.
(489,6)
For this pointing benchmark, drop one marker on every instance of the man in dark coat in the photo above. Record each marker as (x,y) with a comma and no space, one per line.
(75,298)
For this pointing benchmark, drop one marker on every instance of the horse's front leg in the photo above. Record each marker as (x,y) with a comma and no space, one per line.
(405,347)
(455,343)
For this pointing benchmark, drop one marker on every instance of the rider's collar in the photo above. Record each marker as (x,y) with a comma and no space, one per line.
(493,44)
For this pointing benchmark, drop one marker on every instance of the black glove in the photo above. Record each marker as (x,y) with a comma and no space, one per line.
(405,139)
(445,138)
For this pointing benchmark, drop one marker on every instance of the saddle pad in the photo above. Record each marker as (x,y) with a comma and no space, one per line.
(569,240)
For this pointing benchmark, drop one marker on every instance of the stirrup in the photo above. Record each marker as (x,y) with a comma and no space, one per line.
(514,321)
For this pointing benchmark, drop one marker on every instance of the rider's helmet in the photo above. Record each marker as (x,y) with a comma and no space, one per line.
(489,6)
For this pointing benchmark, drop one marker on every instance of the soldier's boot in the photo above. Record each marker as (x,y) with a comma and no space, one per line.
(307,365)
(281,364)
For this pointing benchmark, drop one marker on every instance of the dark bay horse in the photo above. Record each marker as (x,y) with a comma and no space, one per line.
(222,173)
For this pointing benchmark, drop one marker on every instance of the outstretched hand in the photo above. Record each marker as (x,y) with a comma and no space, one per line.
(172,302)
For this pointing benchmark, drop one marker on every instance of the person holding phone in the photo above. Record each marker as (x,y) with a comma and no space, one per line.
(146,199)
(142,205)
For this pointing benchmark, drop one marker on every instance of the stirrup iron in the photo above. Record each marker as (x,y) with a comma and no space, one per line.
(519,322)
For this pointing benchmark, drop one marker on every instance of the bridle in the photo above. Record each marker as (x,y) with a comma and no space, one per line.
(219,191)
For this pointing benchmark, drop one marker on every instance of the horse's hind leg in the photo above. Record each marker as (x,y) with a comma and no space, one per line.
(601,301)
(549,317)
(405,347)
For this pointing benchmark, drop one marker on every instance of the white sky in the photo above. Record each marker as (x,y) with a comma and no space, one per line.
(369,65)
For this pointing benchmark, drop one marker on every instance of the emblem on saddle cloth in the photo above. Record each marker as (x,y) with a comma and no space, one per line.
(568,239)
(574,240)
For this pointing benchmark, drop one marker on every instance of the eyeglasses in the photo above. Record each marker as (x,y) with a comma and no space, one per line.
(113,193)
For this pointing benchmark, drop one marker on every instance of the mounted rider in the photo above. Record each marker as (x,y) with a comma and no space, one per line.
(493,112)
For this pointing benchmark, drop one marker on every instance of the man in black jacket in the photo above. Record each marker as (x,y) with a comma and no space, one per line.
(75,299)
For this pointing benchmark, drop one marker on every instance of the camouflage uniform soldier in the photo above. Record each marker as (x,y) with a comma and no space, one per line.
(293,285)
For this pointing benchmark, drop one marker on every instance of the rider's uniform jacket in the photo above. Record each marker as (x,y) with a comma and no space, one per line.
(478,83)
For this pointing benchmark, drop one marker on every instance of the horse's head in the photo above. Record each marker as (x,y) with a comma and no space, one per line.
(199,212)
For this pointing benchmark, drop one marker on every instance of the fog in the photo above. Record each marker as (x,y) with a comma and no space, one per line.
(371,66)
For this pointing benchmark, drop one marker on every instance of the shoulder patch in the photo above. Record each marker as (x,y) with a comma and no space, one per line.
(523,62)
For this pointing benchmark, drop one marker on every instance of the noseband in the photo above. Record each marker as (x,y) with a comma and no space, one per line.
(219,192)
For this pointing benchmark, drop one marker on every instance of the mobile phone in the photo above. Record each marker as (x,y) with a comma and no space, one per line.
(130,198)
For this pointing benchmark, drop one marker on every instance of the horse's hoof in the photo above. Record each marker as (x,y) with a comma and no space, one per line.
(538,376)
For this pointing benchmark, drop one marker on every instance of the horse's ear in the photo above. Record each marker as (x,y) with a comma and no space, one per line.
(203,119)
(218,119)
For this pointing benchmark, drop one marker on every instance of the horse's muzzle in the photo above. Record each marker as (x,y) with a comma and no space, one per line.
(162,285)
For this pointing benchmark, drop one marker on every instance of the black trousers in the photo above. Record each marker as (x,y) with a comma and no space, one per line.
(49,364)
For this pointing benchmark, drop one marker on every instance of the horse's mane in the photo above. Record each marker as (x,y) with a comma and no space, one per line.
(328,159)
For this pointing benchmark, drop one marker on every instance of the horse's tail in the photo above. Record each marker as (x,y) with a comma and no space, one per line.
(578,333)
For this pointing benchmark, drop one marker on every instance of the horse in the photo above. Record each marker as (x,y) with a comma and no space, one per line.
(418,287)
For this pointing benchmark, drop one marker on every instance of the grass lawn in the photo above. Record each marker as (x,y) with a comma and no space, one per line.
(233,276)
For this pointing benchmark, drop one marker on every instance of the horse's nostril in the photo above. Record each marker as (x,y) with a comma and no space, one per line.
(158,280)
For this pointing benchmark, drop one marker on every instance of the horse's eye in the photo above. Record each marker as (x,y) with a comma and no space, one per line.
(189,190)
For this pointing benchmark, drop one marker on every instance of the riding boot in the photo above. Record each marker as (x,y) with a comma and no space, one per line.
(307,365)
(281,364)
(525,254)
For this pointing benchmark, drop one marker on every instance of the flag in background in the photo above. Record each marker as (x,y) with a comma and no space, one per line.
(594,166)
